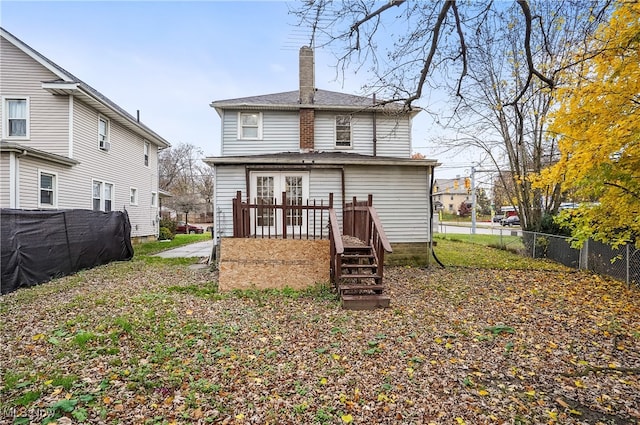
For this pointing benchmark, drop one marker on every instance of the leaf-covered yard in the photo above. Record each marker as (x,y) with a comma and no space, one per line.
(153,342)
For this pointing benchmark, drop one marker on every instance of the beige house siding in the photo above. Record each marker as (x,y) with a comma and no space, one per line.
(48,114)
(122,165)
(5,180)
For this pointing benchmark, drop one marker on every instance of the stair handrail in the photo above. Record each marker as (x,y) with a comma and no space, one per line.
(335,235)
(377,228)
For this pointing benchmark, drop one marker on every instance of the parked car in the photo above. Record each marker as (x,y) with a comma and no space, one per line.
(497,218)
(513,220)
(182,228)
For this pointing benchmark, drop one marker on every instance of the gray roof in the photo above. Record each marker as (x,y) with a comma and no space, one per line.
(66,77)
(318,158)
(323,99)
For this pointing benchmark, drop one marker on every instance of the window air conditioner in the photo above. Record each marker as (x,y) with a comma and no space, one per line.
(104,145)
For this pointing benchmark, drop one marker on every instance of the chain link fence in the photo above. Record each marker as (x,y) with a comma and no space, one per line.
(622,263)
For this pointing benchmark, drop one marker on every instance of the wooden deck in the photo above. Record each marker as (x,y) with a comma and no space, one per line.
(356,260)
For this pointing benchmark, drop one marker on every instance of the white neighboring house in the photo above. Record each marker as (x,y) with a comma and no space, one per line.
(64,145)
(312,142)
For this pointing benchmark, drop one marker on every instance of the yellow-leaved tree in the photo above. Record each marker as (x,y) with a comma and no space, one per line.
(598,128)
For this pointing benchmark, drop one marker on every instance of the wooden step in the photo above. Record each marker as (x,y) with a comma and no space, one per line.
(365,302)
(359,266)
(356,256)
(355,287)
(359,276)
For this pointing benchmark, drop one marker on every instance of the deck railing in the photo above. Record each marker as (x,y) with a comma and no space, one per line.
(361,221)
(266,218)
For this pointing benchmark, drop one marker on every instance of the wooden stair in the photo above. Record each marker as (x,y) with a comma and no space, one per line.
(360,280)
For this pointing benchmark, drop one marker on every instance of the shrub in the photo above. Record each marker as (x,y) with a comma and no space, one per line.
(165,234)
(169,224)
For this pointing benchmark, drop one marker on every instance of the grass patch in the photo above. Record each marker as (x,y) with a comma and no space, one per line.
(456,251)
(150,248)
(207,291)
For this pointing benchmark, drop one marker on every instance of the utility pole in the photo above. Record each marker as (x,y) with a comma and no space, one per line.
(473,200)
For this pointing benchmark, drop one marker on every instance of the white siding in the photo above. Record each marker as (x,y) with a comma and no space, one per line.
(5,178)
(280,133)
(48,114)
(228,180)
(393,134)
(400,196)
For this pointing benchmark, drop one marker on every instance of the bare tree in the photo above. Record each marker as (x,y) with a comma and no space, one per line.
(183,174)
(499,61)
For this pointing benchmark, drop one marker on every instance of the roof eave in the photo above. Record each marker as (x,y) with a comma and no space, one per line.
(37,153)
(257,160)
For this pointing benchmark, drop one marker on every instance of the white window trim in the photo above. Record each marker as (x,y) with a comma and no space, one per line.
(54,190)
(154,199)
(107,136)
(146,151)
(5,117)
(133,193)
(102,193)
(240,126)
(335,132)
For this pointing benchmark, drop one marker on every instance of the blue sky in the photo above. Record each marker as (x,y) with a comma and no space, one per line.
(170,60)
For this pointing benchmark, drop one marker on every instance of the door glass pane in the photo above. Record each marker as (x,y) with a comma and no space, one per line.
(294,197)
(264,196)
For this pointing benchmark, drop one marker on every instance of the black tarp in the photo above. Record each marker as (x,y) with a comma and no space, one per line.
(38,245)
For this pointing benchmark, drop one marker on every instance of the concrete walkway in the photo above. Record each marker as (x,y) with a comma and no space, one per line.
(198,249)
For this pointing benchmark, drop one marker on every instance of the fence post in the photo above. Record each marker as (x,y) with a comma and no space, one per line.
(628,267)
(584,256)
(534,243)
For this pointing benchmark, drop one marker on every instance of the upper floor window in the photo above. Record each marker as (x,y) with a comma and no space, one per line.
(16,119)
(102,196)
(250,125)
(48,190)
(103,133)
(343,131)
(133,196)
(146,153)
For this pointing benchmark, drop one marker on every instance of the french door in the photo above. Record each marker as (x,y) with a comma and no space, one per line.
(266,189)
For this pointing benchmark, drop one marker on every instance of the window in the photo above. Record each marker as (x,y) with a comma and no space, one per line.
(154,199)
(146,153)
(108,197)
(47,186)
(102,196)
(133,196)
(16,121)
(103,134)
(343,131)
(250,125)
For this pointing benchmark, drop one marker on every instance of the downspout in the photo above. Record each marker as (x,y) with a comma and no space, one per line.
(375,133)
(431,217)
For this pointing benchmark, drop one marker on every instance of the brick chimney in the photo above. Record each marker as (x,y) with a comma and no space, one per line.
(307,94)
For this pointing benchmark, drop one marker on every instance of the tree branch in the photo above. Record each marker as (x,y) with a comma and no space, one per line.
(432,51)
(356,26)
(526,11)
(463,49)
(624,189)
